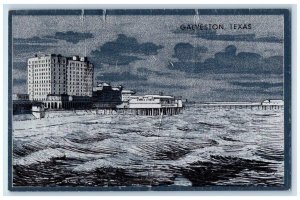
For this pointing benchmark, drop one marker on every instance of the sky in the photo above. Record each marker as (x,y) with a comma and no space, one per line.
(152,54)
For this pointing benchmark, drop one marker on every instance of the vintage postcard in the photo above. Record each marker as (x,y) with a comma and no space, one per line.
(152,99)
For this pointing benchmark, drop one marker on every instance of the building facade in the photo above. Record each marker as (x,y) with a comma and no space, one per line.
(21,103)
(58,75)
(152,105)
(126,95)
(80,74)
(63,101)
(107,96)
(154,101)
(273,102)
(24,97)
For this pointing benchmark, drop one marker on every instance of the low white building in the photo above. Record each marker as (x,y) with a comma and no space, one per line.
(126,95)
(38,110)
(273,102)
(152,105)
(154,101)
(20,97)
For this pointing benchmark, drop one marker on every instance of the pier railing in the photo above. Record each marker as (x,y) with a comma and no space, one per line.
(253,106)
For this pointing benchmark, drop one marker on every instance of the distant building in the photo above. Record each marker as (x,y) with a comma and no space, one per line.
(58,75)
(273,102)
(21,97)
(126,95)
(21,103)
(63,101)
(106,96)
(38,110)
(80,74)
(61,82)
(154,101)
(153,105)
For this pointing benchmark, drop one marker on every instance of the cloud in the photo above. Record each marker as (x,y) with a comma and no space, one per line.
(124,76)
(229,61)
(45,44)
(212,35)
(123,51)
(33,44)
(71,36)
(186,51)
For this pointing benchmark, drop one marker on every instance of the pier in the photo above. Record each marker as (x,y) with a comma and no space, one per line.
(265,105)
(252,107)
(150,111)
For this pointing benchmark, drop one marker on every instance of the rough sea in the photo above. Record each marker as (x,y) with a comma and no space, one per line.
(201,147)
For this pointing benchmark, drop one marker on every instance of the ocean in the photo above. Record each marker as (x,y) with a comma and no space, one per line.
(200,147)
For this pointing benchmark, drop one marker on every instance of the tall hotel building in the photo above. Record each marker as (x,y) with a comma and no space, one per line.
(58,75)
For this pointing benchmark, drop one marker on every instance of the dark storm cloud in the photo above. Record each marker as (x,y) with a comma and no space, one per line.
(43,44)
(212,35)
(71,36)
(33,44)
(35,40)
(188,57)
(186,51)
(229,61)
(123,51)
(124,76)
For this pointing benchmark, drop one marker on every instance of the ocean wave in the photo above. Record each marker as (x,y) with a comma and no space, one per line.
(202,147)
